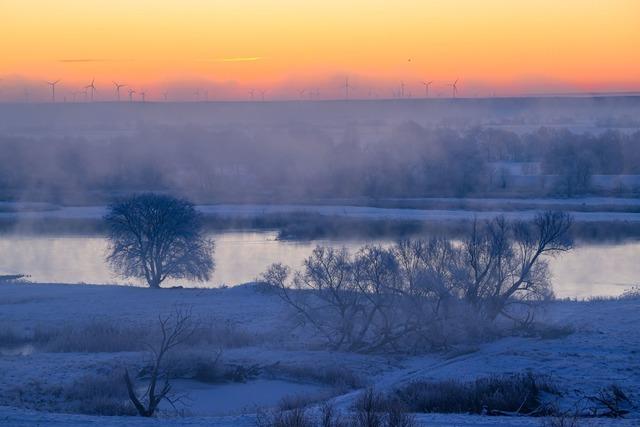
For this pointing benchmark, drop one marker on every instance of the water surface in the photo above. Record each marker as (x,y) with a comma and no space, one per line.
(588,270)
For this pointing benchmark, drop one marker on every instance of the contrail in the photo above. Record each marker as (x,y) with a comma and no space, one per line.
(80,60)
(240,59)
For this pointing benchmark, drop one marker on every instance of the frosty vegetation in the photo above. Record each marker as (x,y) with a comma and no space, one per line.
(175,329)
(154,237)
(425,294)
(307,160)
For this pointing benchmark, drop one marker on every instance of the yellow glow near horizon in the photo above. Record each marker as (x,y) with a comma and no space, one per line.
(585,44)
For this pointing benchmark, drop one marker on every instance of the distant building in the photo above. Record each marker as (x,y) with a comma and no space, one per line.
(517,175)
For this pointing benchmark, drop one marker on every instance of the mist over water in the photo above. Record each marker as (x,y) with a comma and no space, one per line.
(383,153)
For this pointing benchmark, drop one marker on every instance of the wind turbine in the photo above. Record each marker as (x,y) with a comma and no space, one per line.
(426,88)
(165,95)
(262,92)
(143,94)
(118,86)
(301,93)
(131,92)
(251,93)
(53,89)
(401,89)
(346,86)
(91,86)
(454,88)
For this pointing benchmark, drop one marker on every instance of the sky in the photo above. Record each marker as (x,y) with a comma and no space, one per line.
(227,48)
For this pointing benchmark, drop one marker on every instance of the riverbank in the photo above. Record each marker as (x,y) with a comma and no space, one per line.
(587,209)
(588,347)
(595,219)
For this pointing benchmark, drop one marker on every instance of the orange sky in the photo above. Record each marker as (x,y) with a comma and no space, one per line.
(503,46)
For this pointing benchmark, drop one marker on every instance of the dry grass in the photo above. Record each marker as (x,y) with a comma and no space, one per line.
(94,337)
(518,393)
(102,336)
(10,336)
(104,394)
(93,394)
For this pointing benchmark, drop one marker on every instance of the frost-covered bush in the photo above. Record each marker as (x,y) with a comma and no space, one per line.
(338,377)
(204,366)
(519,393)
(632,293)
(104,394)
(297,417)
(375,409)
(423,294)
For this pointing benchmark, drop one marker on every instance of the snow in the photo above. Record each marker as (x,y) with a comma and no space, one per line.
(602,350)
(20,418)
(527,209)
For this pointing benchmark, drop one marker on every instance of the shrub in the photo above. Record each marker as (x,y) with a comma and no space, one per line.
(519,393)
(104,394)
(201,366)
(336,376)
(373,409)
(297,417)
(549,332)
(369,409)
(612,402)
(632,293)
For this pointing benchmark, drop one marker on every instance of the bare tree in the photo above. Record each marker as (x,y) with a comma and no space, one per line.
(357,303)
(154,237)
(333,305)
(506,261)
(425,292)
(175,329)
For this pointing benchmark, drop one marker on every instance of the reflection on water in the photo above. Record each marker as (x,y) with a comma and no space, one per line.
(243,256)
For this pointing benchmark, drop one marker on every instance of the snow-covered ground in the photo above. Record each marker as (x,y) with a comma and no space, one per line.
(599,210)
(603,349)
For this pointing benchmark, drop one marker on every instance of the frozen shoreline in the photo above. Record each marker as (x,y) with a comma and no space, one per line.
(41,212)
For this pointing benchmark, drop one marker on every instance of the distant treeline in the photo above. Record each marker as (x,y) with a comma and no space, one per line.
(304,161)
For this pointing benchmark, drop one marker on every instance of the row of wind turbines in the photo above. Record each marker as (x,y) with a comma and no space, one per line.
(400,92)
(90,89)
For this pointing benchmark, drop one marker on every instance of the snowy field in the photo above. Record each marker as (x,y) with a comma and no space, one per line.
(600,348)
